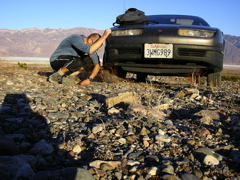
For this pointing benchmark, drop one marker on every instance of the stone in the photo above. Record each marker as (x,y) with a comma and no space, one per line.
(97,163)
(163,138)
(144,131)
(12,167)
(106,167)
(98,128)
(71,173)
(42,147)
(168,169)
(122,141)
(170,177)
(70,80)
(133,163)
(210,160)
(122,97)
(8,147)
(153,171)
(2,78)
(145,110)
(188,176)
(77,149)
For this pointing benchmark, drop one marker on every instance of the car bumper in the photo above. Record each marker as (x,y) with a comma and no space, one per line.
(186,59)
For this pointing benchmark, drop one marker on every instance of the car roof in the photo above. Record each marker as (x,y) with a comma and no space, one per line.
(178,19)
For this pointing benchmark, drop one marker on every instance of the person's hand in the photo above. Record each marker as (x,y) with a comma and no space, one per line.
(107,32)
(85,82)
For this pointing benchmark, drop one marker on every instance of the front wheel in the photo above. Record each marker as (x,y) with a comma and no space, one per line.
(141,77)
(214,79)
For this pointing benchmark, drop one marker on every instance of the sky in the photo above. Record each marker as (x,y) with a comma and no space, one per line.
(101,14)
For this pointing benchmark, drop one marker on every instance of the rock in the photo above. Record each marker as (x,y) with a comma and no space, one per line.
(144,131)
(71,173)
(153,171)
(168,169)
(118,175)
(8,147)
(133,163)
(187,176)
(170,177)
(12,167)
(210,160)
(204,150)
(58,115)
(122,141)
(97,163)
(2,78)
(208,116)
(162,106)
(163,138)
(106,167)
(113,111)
(42,147)
(70,80)
(98,128)
(122,97)
(197,173)
(147,111)
(77,149)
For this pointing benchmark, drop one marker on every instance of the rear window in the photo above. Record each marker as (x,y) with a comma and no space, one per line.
(187,20)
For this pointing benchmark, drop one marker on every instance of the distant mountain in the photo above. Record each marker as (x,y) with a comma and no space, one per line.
(42,43)
(232,50)
(36,42)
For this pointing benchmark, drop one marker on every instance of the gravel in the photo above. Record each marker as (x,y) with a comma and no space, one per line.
(166,128)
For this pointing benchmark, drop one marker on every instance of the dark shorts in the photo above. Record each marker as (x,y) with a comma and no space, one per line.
(72,63)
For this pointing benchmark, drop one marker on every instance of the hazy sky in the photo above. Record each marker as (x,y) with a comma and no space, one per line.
(100,14)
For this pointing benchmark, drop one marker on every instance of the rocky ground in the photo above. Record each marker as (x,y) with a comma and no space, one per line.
(166,128)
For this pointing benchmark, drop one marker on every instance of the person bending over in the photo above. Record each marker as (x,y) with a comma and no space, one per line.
(75,53)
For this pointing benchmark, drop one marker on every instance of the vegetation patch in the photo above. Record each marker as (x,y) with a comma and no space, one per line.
(230,78)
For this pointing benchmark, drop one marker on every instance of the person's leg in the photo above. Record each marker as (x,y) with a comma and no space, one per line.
(87,63)
(62,65)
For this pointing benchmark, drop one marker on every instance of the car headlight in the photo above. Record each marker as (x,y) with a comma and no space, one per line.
(127,32)
(196,33)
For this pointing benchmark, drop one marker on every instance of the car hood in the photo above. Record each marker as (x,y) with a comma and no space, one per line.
(167,26)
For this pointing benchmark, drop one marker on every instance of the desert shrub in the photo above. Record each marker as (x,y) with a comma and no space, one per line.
(230,78)
(22,65)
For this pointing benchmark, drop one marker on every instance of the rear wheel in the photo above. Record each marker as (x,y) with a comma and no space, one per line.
(214,79)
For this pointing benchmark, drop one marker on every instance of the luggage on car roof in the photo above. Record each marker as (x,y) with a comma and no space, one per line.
(130,17)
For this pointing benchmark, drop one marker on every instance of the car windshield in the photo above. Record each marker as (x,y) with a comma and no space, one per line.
(176,19)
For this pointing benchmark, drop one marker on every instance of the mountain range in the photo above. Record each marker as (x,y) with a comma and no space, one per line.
(35,42)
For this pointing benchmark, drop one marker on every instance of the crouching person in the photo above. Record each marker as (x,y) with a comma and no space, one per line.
(70,56)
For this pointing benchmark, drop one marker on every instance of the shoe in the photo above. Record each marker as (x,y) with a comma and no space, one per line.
(55,78)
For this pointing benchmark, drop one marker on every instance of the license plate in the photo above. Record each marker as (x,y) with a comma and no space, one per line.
(158,50)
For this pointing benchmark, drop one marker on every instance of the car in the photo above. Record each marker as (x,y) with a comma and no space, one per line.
(167,45)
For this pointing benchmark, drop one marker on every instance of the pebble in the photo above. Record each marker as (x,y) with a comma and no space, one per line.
(210,160)
(122,130)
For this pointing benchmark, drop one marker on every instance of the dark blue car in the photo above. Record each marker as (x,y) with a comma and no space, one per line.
(178,45)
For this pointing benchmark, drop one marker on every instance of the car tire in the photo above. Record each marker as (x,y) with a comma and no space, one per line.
(117,71)
(214,79)
(141,77)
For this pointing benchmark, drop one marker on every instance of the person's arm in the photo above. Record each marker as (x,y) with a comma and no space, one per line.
(95,46)
(92,75)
